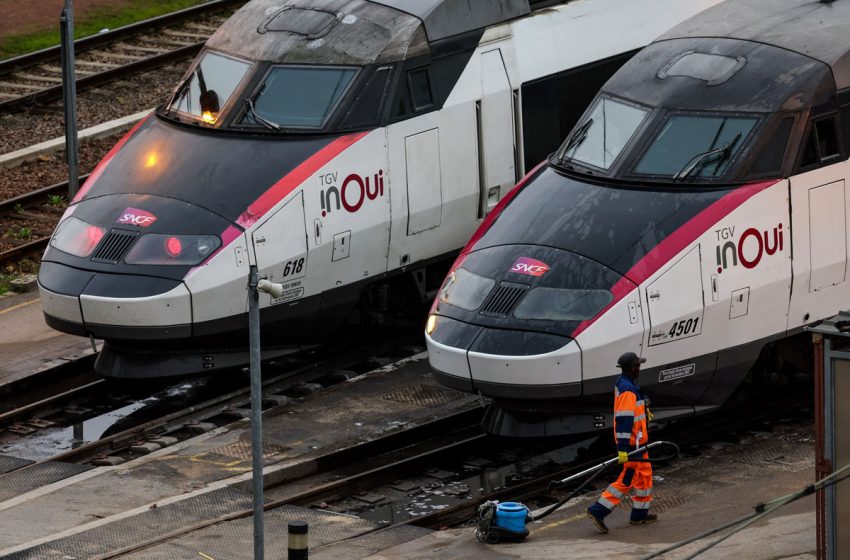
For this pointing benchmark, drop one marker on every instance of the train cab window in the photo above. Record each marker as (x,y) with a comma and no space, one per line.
(603,135)
(365,109)
(769,161)
(420,89)
(209,87)
(695,146)
(299,96)
(821,143)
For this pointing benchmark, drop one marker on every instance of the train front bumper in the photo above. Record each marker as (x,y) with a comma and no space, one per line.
(476,362)
(77,302)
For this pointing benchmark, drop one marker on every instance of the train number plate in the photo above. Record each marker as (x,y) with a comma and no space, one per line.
(676,330)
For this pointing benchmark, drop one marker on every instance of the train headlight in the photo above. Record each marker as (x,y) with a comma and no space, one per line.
(76,237)
(154,248)
(431,324)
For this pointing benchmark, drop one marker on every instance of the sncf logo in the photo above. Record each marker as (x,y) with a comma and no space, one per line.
(136,217)
(531,267)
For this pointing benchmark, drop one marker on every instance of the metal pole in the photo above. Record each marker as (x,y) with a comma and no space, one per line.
(829,441)
(256,411)
(69,95)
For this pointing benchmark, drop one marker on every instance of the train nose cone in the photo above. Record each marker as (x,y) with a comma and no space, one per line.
(505,319)
(116,264)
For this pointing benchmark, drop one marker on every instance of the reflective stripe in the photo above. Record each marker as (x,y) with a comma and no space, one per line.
(639,403)
(614,491)
(640,505)
(643,493)
(621,435)
(606,502)
(624,413)
(640,417)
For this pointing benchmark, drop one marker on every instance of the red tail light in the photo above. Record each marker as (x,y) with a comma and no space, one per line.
(173,246)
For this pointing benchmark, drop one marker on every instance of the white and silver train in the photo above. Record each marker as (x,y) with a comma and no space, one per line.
(696,215)
(348,148)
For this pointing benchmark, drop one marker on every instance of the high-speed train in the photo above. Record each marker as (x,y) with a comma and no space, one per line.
(348,148)
(696,215)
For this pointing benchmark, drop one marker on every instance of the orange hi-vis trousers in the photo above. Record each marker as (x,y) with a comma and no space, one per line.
(635,476)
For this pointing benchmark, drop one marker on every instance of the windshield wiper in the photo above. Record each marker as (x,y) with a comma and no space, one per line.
(180,92)
(249,104)
(577,138)
(698,161)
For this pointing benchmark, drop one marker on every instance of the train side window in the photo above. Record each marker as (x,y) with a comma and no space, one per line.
(827,138)
(769,160)
(366,107)
(821,144)
(420,89)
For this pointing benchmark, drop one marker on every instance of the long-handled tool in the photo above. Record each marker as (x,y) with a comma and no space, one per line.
(506,521)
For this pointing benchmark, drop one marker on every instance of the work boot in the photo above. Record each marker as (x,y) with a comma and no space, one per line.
(650,518)
(598,521)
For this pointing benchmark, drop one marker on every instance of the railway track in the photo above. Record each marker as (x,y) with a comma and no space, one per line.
(396,458)
(399,457)
(36,78)
(43,206)
(85,397)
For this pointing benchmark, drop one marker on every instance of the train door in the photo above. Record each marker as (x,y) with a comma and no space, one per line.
(819,231)
(676,306)
(496,132)
(280,247)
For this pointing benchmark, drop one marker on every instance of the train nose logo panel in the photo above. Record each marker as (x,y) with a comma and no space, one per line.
(530,267)
(136,217)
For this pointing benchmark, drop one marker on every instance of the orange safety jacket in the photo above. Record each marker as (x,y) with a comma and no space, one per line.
(630,429)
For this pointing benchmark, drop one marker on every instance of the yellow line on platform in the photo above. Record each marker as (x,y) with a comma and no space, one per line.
(572,519)
(20,305)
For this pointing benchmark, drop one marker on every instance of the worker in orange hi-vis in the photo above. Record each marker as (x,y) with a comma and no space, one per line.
(631,413)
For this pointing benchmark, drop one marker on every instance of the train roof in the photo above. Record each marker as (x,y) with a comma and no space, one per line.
(345,32)
(445,18)
(764,56)
(355,32)
(813,28)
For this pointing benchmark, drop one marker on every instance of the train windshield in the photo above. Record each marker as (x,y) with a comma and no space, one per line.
(608,128)
(695,146)
(207,90)
(298,96)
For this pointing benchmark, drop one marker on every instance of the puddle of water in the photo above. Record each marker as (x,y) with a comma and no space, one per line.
(51,441)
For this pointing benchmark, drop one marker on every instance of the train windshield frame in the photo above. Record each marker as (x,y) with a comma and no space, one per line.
(299,96)
(695,145)
(608,128)
(204,95)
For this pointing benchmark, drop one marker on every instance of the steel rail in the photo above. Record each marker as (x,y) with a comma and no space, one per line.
(456,440)
(220,404)
(457,426)
(60,383)
(81,45)
(537,487)
(32,197)
(22,251)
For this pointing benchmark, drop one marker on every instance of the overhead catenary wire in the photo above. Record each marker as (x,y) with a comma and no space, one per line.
(759,511)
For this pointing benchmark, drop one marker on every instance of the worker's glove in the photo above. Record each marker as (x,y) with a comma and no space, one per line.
(622,457)
(649,415)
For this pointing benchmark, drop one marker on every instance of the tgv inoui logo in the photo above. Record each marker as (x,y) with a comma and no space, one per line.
(355,190)
(531,267)
(136,217)
(748,249)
